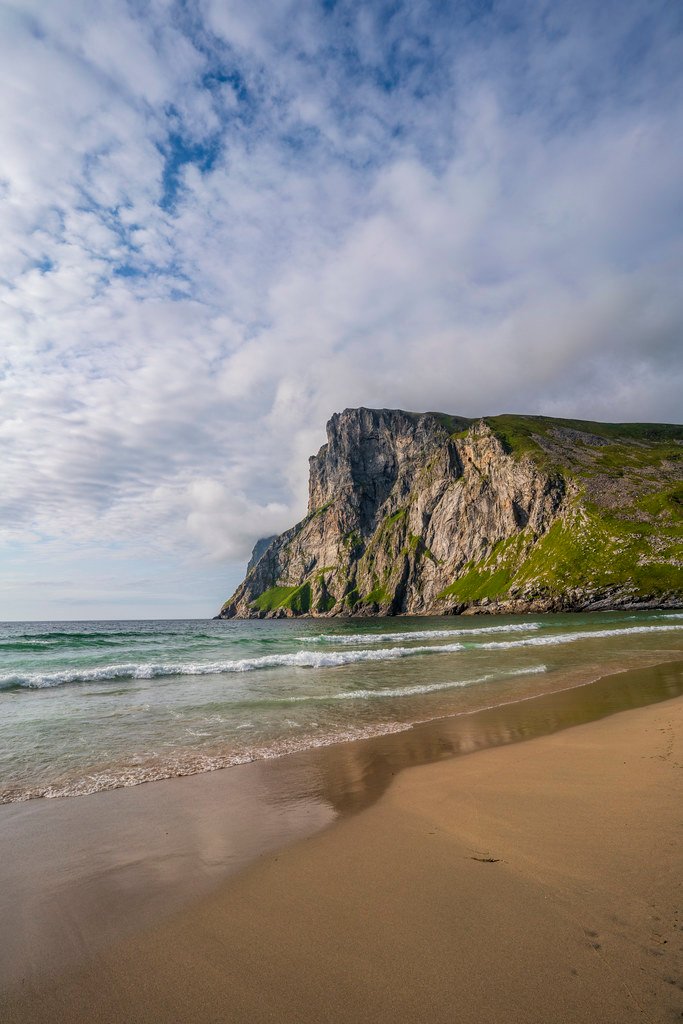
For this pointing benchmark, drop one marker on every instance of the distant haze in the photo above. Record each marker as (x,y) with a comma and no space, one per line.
(221,222)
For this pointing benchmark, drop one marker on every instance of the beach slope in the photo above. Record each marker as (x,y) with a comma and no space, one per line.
(531,883)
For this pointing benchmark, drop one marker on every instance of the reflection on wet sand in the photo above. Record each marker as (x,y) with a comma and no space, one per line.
(351,776)
(79,873)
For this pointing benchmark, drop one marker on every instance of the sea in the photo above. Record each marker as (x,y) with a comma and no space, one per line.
(89,706)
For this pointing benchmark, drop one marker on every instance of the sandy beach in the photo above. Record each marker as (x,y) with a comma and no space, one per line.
(534,882)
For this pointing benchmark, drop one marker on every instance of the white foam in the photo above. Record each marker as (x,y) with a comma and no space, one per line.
(357,639)
(300,659)
(563,638)
(194,764)
(409,691)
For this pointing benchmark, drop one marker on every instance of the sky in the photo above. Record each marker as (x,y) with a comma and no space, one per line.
(223,220)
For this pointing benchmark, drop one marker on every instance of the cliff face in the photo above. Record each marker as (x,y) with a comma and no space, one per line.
(417,514)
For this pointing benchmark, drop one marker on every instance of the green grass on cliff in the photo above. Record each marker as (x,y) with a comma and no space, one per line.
(491,576)
(518,430)
(325,603)
(378,595)
(451,424)
(666,504)
(395,517)
(417,547)
(589,550)
(296,598)
(612,449)
(596,550)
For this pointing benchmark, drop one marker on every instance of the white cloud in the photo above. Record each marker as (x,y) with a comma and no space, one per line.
(221,226)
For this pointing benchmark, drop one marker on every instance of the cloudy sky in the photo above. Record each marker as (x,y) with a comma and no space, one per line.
(222,220)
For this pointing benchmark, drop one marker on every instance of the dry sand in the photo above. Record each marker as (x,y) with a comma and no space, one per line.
(539,882)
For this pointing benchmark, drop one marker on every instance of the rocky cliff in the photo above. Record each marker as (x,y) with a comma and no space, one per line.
(435,514)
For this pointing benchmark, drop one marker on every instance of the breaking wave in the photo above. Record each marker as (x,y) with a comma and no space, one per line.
(357,639)
(411,691)
(298,659)
(191,763)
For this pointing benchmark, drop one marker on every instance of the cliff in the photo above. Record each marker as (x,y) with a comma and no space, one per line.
(435,514)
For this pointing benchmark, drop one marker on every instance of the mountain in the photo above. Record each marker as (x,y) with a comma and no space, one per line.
(434,514)
(260,547)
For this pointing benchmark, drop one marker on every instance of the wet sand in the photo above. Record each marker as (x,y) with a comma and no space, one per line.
(532,882)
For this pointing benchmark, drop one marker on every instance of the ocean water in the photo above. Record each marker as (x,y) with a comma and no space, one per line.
(86,706)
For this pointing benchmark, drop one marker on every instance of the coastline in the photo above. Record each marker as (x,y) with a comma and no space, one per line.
(186,726)
(83,875)
(531,882)
(564,604)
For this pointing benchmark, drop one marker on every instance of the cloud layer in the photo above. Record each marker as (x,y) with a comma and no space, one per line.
(222,222)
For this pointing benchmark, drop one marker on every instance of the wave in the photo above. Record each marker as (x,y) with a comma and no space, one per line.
(68,635)
(41,646)
(104,638)
(187,763)
(561,638)
(298,659)
(410,691)
(357,639)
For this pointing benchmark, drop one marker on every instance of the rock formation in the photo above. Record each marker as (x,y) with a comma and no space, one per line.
(260,547)
(435,514)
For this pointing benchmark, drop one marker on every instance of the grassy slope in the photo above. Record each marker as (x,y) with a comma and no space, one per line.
(517,432)
(625,528)
(296,598)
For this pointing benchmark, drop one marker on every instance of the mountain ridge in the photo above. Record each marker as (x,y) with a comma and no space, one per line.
(430,513)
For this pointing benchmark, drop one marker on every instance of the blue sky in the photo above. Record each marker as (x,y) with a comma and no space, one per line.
(223,221)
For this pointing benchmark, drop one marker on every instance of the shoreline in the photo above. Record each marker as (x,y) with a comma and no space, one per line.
(116,862)
(534,881)
(493,608)
(129,777)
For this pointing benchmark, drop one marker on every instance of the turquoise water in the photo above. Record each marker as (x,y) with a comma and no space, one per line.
(86,706)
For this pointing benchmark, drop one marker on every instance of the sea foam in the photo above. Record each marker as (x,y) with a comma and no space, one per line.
(300,659)
(358,639)
(420,688)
